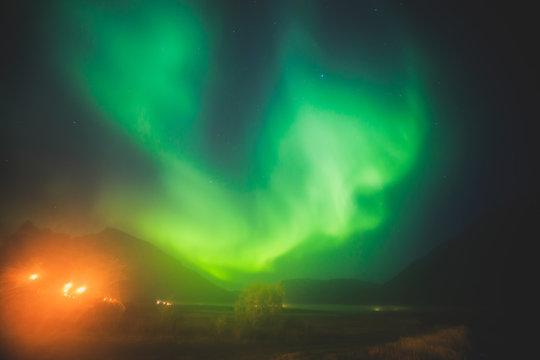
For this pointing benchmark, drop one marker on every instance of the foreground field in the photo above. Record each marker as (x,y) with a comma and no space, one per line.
(212,332)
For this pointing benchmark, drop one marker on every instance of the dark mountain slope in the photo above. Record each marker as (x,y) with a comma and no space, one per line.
(140,271)
(485,266)
(160,273)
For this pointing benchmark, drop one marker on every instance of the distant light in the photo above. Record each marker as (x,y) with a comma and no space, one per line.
(33,276)
(81,289)
(67,286)
(158,302)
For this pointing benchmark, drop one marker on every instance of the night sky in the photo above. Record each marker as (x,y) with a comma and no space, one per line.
(268,139)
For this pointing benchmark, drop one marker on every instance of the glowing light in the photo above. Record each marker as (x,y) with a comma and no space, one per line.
(67,287)
(331,144)
(33,276)
(81,289)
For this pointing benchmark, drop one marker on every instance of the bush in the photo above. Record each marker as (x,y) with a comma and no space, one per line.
(259,304)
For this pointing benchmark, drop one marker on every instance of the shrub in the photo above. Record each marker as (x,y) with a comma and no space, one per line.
(259,304)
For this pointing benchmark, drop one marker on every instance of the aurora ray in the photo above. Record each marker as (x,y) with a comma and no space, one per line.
(329,145)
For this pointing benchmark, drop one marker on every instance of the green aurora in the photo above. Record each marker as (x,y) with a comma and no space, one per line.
(331,139)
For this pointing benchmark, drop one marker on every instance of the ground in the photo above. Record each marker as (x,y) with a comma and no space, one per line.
(213,332)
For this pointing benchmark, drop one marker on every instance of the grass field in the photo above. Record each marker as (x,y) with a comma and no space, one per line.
(213,332)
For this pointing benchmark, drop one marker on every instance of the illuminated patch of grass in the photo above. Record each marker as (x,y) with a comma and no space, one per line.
(450,343)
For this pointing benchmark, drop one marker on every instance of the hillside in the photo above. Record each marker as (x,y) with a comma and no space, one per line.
(138,270)
(485,266)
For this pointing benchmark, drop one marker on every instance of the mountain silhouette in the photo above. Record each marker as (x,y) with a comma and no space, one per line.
(485,266)
(145,273)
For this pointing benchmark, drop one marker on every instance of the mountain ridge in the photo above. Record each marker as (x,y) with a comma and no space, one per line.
(479,267)
(148,273)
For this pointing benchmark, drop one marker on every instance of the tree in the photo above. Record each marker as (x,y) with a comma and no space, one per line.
(260,304)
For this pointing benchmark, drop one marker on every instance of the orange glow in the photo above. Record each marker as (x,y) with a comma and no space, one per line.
(49,292)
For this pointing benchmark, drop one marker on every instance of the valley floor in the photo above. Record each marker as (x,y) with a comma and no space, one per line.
(204,332)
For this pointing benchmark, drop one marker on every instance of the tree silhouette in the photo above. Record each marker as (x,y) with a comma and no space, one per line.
(259,304)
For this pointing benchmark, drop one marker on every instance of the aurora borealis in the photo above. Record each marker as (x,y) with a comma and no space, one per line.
(328,147)
(251,137)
